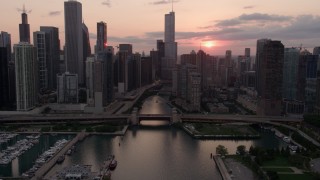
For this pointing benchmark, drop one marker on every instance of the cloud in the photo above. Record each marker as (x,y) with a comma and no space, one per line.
(107,3)
(133,39)
(298,28)
(163,2)
(248,7)
(253,18)
(265,17)
(54,13)
(206,27)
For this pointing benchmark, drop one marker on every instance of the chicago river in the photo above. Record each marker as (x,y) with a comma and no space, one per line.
(153,150)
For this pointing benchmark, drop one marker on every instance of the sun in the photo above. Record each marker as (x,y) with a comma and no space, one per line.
(209,44)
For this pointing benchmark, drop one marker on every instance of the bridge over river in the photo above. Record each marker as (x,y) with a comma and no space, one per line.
(173,117)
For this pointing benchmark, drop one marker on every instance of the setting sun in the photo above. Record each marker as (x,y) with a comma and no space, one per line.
(209,44)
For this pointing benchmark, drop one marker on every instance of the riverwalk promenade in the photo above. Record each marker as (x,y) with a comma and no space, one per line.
(222,168)
(48,165)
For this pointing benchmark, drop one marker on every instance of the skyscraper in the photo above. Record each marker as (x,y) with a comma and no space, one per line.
(259,59)
(310,78)
(101,36)
(106,58)
(74,38)
(270,70)
(290,73)
(67,88)
(126,48)
(52,54)
(26,76)
(316,51)
(293,84)
(160,49)
(5,41)
(90,80)
(170,47)
(24,27)
(86,48)
(40,44)
(4,79)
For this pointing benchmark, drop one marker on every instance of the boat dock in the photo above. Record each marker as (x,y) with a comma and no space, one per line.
(222,168)
(48,165)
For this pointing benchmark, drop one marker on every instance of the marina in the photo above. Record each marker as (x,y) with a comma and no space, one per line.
(5,137)
(43,158)
(17,149)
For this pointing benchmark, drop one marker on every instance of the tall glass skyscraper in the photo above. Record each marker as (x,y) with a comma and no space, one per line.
(74,38)
(101,36)
(26,76)
(170,47)
(24,27)
(52,54)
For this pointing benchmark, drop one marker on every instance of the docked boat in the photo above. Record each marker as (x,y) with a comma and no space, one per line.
(113,164)
(293,147)
(60,159)
(278,134)
(286,139)
(69,152)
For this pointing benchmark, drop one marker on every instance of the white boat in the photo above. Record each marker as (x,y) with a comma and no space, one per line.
(286,139)
(278,134)
(293,147)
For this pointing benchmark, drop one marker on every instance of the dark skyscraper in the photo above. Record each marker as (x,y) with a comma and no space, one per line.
(106,57)
(74,39)
(270,70)
(101,36)
(4,79)
(39,41)
(5,41)
(316,51)
(52,54)
(160,49)
(126,48)
(86,47)
(24,27)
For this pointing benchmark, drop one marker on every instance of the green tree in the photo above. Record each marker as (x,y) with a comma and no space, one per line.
(241,149)
(221,150)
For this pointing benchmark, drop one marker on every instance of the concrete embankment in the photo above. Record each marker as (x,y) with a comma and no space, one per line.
(118,133)
(245,136)
(48,165)
(222,168)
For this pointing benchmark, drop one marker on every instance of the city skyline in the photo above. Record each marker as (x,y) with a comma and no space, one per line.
(225,25)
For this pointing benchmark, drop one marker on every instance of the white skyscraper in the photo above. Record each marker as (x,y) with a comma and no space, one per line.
(170,47)
(26,76)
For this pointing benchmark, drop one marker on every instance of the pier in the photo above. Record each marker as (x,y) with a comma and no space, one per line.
(222,168)
(48,165)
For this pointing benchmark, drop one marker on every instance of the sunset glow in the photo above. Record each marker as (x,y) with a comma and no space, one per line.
(209,44)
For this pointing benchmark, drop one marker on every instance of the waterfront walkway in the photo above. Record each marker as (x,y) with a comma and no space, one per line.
(48,165)
(222,168)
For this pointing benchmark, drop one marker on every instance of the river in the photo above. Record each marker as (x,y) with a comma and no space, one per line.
(155,150)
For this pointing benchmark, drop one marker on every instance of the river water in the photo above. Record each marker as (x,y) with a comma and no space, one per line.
(156,150)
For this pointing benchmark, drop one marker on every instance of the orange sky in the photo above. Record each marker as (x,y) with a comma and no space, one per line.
(229,24)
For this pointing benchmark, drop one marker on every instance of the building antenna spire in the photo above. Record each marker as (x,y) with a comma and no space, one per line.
(172,5)
(24,9)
